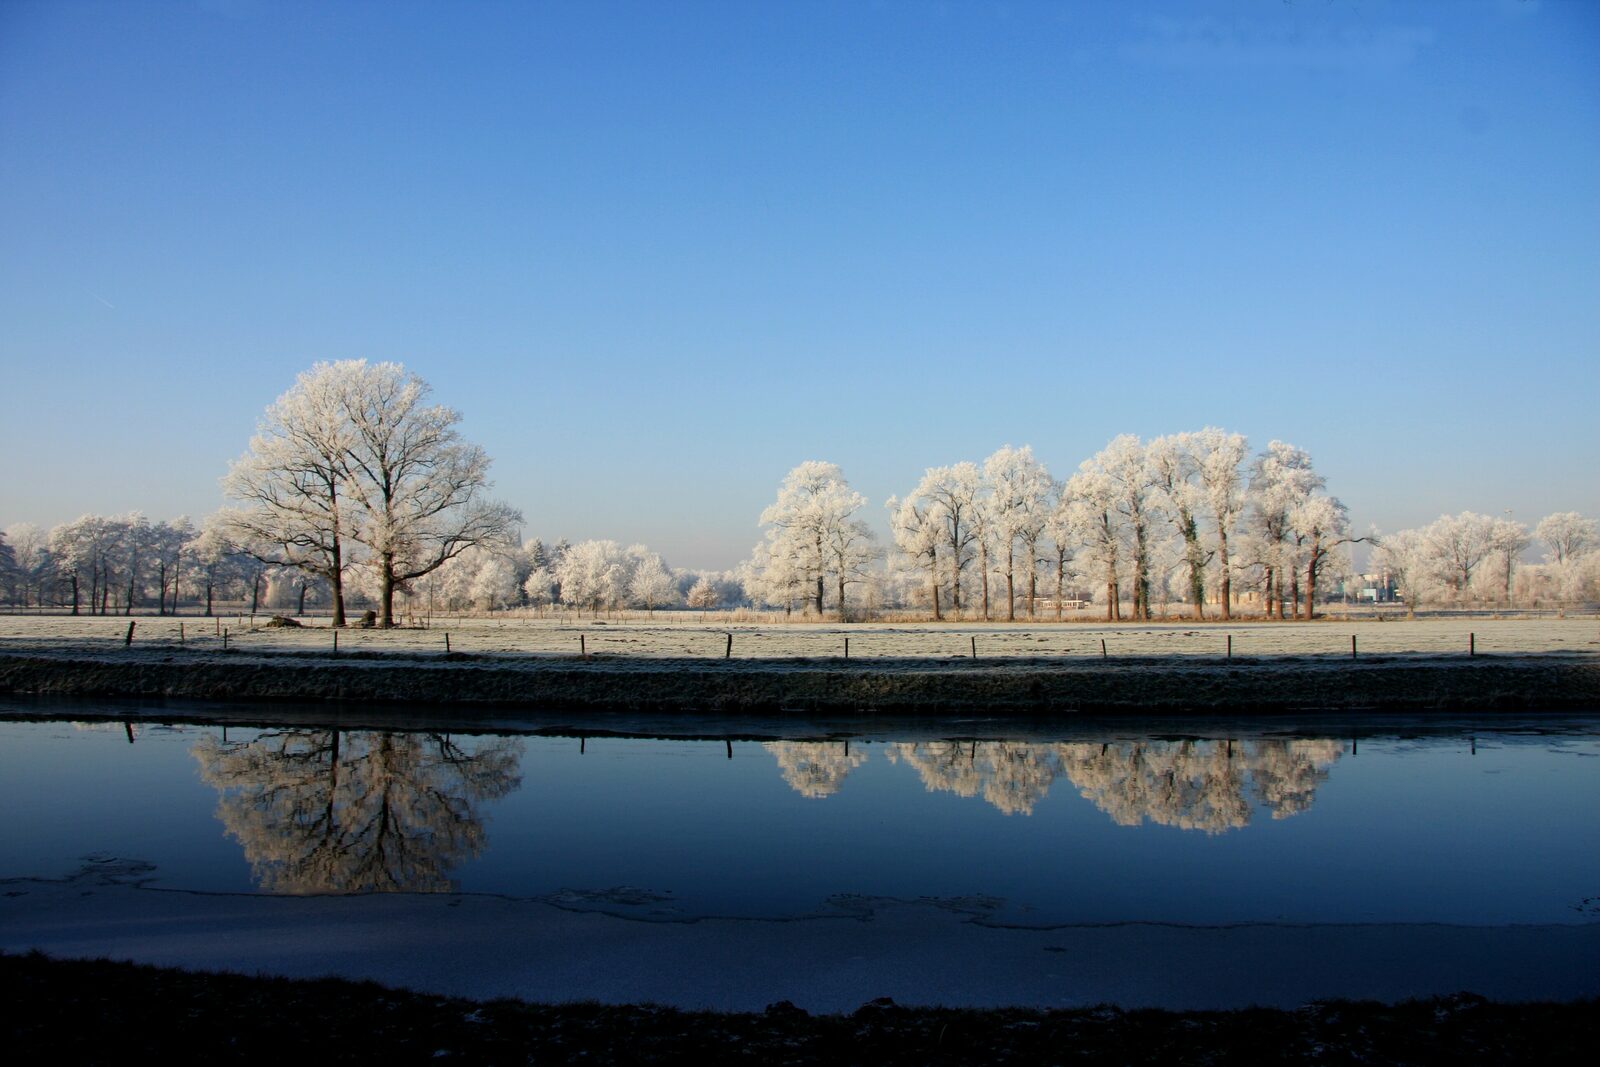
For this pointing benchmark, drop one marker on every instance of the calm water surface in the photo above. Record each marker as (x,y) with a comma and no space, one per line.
(1442,824)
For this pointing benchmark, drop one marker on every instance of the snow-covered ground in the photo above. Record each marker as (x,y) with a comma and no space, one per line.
(692,635)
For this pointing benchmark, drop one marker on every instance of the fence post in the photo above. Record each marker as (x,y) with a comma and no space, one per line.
(1352,646)
(447,642)
(1230,648)
(1102,648)
(728,652)
(224,639)
(336,641)
(126,641)
(180,633)
(974,648)
(583,646)
(1472,645)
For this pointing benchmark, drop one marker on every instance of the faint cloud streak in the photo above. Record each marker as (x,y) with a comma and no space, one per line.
(1215,43)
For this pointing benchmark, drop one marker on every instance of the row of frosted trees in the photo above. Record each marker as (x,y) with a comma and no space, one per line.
(1192,518)
(121,564)
(1469,559)
(1187,516)
(100,565)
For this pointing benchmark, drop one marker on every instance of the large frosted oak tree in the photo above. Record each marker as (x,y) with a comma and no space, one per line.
(353,456)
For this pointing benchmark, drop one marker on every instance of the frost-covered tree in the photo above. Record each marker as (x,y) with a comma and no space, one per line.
(918,534)
(1282,480)
(1321,524)
(1508,539)
(494,584)
(8,569)
(1126,464)
(652,584)
(210,556)
(1456,545)
(1219,456)
(31,561)
(1175,466)
(167,541)
(812,532)
(1091,498)
(1016,507)
(1060,528)
(540,587)
(82,550)
(1567,535)
(594,575)
(943,505)
(704,596)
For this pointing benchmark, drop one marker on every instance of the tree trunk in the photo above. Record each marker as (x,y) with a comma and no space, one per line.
(75,594)
(955,577)
(983,563)
(255,594)
(1227,577)
(301,610)
(1311,583)
(1061,577)
(841,594)
(336,580)
(386,591)
(1011,585)
(1197,563)
(209,587)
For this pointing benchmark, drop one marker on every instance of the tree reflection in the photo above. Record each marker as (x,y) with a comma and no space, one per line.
(1011,775)
(1192,785)
(321,811)
(815,769)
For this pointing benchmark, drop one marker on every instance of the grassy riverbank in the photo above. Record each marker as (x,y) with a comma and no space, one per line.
(103,1012)
(896,670)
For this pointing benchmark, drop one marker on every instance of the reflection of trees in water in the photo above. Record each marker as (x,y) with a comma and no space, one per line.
(1194,785)
(1199,785)
(1011,775)
(333,811)
(815,769)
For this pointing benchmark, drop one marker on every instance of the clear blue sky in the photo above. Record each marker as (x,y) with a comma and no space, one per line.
(658,254)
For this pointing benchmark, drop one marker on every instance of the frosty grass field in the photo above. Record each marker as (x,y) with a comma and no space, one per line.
(694,635)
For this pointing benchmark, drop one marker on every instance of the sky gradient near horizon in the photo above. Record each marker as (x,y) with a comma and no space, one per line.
(659,255)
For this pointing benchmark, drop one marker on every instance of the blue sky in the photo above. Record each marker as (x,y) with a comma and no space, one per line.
(659,254)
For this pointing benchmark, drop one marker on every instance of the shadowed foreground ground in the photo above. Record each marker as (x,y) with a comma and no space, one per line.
(101,1012)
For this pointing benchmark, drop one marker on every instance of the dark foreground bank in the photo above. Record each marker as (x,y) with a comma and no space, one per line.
(104,1012)
(1148,686)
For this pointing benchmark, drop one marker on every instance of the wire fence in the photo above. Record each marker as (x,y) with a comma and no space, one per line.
(728,637)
